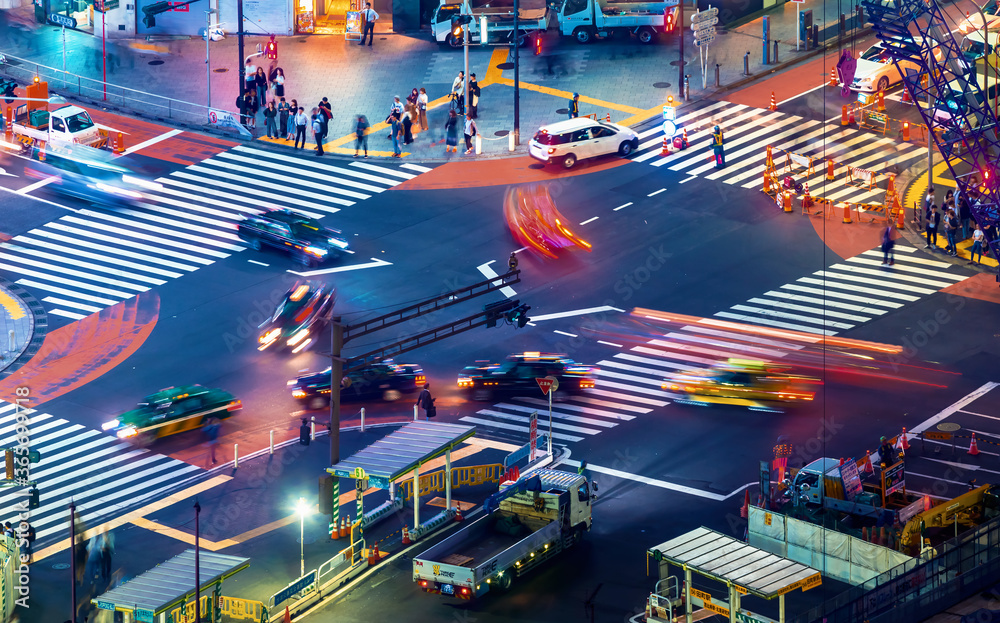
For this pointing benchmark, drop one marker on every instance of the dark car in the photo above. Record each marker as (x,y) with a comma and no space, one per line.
(516,376)
(386,380)
(298,317)
(304,237)
(89,174)
(171,411)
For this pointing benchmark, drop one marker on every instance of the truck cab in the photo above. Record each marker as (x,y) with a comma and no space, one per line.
(68,125)
(808,481)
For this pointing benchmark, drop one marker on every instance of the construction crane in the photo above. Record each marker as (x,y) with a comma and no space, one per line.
(917,31)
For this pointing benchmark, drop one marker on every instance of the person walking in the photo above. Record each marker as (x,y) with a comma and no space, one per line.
(317,129)
(888,242)
(261,83)
(278,82)
(451,132)
(978,238)
(718,142)
(422,102)
(933,219)
(368,19)
(474,93)
(241,106)
(270,114)
(212,429)
(470,131)
(407,122)
(951,230)
(396,130)
(360,135)
(324,115)
(107,548)
(304,433)
(426,402)
(574,106)
(301,120)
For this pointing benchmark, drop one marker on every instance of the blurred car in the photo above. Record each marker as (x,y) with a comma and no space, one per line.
(89,174)
(516,375)
(739,382)
(535,222)
(173,410)
(298,316)
(385,380)
(302,236)
(876,72)
(974,21)
(566,142)
(953,112)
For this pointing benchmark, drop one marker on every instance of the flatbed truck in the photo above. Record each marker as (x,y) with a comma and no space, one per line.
(526,523)
(32,122)
(586,20)
(499,17)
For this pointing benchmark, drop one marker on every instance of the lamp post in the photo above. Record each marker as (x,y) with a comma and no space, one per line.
(302,509)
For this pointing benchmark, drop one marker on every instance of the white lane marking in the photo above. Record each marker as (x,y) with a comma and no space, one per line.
(166,238)
(383,170)
(51,203)
(42,182)
(823,303)
(3,171)
(957,406)
(566,334)
(623,206)
(830,283)
(283,197)
(416,167)
(590,220)
(685,181)
(515,428)
(152,141)
(627,397)
(556,414)
(94,268)
(607,403)
(489,273)
(297,170)
(841,295)
(610,344)
(309,163)
(521,249)
(575,312)
(885,278)
(809,309)
(656,192)
(564,406)
(806,92)
(912,269)
(62,270)
(322,180)
(61,312)
(375,262)
(56,290)
(769,313)
(258,263)
(525,420)
(913,260)
(992,417)
(663,484)
(87,308)
(67,249)
(88,237)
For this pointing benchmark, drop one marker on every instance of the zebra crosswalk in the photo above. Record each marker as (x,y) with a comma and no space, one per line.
(748,131)
(848,293)
(103,476)
(92,259)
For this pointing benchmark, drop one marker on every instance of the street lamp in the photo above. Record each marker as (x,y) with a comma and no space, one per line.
(302,508)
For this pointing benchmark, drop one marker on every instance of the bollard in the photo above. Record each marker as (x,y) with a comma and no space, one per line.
(312,428)
(362,419)
(510,147)
(906,131)
(687,87)
(775,50)
(829,170)
(270,446)
(746,64)
(120,145)
(815,36)
(716,75)
(859,17)
(414,413)
(479,144)
(236,455)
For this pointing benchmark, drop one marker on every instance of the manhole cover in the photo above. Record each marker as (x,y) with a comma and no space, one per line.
(220,70)
(61,566)
(562,111)
(309,540)
(678,63)
(661,85)
(505,66)
(501,133)
(156,62)
(948,427)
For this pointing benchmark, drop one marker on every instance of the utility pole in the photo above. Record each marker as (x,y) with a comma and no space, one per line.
(517,75)
(336,380)
(208,56)
(465,47)
(72,548)
(239,35)
(104,50)
(680,38)
(197,566)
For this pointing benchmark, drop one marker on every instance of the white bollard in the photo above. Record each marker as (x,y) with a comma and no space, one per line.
(362,419)
(414,413)
(479,144)
(236,455)
(312,428)
(510,141)
(12,343)
(270,446)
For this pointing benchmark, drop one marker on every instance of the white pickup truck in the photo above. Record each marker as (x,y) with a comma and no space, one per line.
(499,18)
(68,125)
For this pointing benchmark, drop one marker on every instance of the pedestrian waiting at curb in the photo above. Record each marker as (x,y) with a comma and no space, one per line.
(474,93)
(293,110)
(277,79)
(260,82)
(301,121)
(422,109)
(933,220)
(361,126)
(407,122)
(977,244)
(304,432)
(950,230)
(396,134)
(284,110)
(451,132)
(470,131)
(270,113)
(317,128)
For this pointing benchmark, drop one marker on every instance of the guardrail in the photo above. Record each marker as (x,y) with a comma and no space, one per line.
(469,475)
(149,104)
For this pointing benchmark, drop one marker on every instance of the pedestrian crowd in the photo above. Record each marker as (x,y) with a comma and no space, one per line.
(954,218)
(264,94)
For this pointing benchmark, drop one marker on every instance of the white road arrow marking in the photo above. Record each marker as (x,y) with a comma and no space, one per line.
(340,269)
(3,171)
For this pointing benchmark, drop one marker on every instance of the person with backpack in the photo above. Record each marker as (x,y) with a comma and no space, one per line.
(951,230)
(470,131)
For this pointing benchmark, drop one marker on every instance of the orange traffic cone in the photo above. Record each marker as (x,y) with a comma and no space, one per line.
(806,203)
(374,556)
(684,139)
(906,96)
(867,468)
(334,530)
(458,512)
(833,77)
(406,536)
(774,103)
(607,117)
(288,616)
(864,533)
(345,526)
(903,443)
(745,511)
(973,447)
(666,146)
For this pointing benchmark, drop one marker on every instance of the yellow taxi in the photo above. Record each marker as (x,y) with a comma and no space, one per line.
(740,382)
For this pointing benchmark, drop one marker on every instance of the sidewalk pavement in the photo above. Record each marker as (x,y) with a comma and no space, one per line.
(250,511)
(19,316)
(623,79)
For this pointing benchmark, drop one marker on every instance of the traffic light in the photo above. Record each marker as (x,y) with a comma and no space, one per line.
(9,456)
(519,316)
(271,51)
(151,11)
(33,497)
(495,310)
(457,21)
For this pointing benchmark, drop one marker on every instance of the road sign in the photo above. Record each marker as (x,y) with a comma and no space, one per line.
(705,16)
(669,112)
(62,20)
(704,41)
(704,22)
(704,35)
(547,384)
(103,6)
(669,128)
(533,434)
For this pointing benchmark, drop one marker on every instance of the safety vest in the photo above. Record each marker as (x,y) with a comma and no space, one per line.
(574,106)
(717,139)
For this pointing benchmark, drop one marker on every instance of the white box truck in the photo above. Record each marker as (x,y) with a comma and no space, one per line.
(586,20)
(499,20)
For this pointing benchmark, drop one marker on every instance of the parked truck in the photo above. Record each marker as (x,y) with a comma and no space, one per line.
(499,19)
(586,20)
(825,482)
(34,124)
(526,523)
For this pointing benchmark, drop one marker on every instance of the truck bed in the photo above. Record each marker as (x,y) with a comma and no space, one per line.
(527,9)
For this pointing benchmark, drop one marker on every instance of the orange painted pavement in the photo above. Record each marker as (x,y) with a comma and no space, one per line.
(847,239)
(786,84)
(523,170)
(78,353)
(185,148)
(982,287)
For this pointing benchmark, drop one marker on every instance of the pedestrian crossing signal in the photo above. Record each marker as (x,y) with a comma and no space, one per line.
(668,22)
(33,498)
(271,51)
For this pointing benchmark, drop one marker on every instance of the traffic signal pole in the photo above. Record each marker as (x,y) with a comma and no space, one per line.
(517,75)
(336,380)
(72,558)
(680,38)
(241,74)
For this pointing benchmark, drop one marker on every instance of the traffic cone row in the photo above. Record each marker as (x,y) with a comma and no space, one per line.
(374,556)
(345,526)
(973,447)
(774,103)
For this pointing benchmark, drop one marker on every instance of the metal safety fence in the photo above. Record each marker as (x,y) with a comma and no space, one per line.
(469,475)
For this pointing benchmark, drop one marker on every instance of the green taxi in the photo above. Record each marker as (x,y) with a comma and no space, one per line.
(173,410)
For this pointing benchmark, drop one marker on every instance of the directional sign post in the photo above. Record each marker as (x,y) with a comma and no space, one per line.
(548,385)
(703,24)
(62,20)
(533,435)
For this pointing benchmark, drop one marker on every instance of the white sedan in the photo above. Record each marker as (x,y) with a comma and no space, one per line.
(974,21)
(876,71)
(567,141)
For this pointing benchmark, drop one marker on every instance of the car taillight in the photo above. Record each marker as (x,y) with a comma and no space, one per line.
(235,405)
(298,393)
(423,583)
(465,591)
(586,384)
(552,150)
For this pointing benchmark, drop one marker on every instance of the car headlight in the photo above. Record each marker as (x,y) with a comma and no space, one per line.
(110,425)
(127,432)
(270,336)
(298,337)
(337,242)
(317,251)
(298,393)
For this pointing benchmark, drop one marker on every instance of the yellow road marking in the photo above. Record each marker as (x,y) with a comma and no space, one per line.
(63,544)
(13,308)
(328,147)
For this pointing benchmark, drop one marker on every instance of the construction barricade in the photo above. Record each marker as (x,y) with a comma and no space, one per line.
(862,177)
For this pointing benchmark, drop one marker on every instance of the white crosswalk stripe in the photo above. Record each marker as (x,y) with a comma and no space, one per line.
(94,258)
(103,476)
(819,307)
(748,131)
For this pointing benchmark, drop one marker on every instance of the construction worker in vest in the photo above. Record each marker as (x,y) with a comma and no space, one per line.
(720,151)
(574,106)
